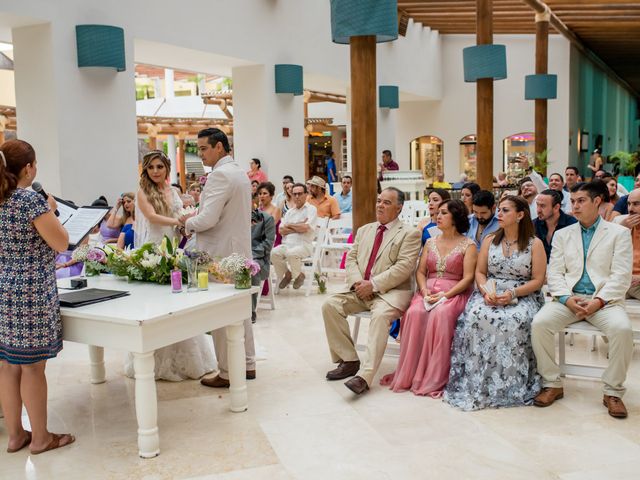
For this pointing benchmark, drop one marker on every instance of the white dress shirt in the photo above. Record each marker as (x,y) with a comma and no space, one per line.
(306,214)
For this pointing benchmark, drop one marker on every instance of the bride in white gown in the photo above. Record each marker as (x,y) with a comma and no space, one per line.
(157,210)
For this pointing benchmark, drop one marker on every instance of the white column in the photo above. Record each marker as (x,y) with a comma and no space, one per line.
(146,405)
(173,156)
(259,115)
(81,122)
(169,87)
(387,137)
(348,129)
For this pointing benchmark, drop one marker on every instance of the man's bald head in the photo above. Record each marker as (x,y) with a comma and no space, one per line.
(633,202)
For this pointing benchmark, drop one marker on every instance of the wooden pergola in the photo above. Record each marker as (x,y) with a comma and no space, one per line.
(605,31)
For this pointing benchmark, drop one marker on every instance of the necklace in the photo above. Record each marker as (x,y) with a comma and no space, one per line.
(508,244)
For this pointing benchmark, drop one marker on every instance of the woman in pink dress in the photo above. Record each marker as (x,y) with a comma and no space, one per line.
(445,279)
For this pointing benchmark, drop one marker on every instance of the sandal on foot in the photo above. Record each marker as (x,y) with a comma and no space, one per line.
(27,441)
(56,443)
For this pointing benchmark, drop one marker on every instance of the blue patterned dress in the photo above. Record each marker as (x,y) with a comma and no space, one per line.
(492,361)
(30,324)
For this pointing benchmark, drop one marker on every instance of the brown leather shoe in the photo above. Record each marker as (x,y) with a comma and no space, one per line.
(251,374)
(547,396)
(215,382)
(298,282)
(615,406)
(344,370)
(357,385)
(286,280)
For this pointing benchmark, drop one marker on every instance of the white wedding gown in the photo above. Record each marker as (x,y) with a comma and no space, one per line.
(191,358)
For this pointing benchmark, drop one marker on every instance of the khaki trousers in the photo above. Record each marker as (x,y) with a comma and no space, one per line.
(335,311)
(220,346)
(612,320)
(293,255)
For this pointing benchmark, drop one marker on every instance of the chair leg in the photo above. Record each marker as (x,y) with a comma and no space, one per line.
(593,343)
(561,352)
(571,339)
(272,297)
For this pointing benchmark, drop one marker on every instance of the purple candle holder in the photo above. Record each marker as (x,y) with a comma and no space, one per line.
(176,281)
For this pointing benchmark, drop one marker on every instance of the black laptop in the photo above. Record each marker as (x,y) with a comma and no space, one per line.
(89,296)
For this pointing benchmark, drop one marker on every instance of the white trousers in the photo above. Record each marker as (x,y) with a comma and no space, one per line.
(612,320)
(283,254)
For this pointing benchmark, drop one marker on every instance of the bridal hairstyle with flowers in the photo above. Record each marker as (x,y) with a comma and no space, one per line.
(14,156)
(154,195)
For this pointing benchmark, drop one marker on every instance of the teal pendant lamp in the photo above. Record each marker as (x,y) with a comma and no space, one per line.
(100,46)
(358,18)
(540,87)
(484,61)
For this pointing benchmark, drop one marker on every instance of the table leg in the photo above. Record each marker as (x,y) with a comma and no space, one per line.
(96,357)
(237,367)
(146,405)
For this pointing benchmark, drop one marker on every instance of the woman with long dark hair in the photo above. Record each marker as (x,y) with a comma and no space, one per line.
(492,361)
(30,323)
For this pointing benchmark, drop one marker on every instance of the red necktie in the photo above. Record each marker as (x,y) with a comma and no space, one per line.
(374,253)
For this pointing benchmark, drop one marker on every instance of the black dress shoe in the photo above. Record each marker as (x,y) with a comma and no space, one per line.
(344,370)
(357,385)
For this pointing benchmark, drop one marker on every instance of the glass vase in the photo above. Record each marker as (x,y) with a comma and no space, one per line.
(243,279)
(192,275)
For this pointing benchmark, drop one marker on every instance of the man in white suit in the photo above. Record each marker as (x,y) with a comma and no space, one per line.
(223,226)
(589,275)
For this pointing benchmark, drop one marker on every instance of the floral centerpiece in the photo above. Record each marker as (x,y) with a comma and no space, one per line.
(239,268)
(194,261)
(94,258)
(153,262)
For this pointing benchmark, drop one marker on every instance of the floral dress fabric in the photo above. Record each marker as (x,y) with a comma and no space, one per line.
(30,324)
(492,361)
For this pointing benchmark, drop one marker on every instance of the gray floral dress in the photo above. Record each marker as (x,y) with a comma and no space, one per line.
(492,361)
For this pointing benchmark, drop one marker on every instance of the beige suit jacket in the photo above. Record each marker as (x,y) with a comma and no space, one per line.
(223,223)
(609,261)
(394,265)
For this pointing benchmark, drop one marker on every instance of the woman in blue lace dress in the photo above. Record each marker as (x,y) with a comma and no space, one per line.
(492,361)
(30,324)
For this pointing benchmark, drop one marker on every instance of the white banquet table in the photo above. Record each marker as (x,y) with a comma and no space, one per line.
(151,318)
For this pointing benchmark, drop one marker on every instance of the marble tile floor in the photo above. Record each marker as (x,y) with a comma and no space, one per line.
(299,426)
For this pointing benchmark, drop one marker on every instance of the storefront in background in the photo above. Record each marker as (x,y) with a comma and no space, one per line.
(427,156)
(468,156)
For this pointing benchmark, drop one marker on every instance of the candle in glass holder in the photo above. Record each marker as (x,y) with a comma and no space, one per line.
(203,281)
(176,281)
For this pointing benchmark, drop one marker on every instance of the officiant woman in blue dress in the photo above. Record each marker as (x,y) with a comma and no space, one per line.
(30,324)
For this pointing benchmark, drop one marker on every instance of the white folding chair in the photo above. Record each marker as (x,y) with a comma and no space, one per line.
(393,347)
(311,265)
(270,298)
(335,244)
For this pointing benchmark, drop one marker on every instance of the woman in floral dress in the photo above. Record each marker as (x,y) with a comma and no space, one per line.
(30,324)
(492,361)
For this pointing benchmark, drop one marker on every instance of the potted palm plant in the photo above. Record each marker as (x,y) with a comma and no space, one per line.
(627,162)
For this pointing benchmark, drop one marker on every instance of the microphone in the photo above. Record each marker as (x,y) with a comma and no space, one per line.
(37,187)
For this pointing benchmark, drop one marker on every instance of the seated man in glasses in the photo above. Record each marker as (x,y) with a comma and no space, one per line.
(297,229)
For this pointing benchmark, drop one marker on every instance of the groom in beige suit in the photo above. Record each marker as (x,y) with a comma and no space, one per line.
(589,275)
(223,226)
(379,269)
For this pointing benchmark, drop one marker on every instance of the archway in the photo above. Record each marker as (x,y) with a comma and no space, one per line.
(427,156)
(468,152)
(519,151)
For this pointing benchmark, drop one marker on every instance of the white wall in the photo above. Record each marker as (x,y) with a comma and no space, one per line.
(455,115)
(92,121)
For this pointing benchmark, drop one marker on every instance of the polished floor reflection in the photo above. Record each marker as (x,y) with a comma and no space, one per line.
(299,426)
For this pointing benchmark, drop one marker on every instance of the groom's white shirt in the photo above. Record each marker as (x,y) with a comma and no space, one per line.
(223,223)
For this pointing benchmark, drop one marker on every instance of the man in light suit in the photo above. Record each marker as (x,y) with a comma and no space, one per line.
(222,227)
(589,275)
(379,269)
